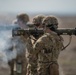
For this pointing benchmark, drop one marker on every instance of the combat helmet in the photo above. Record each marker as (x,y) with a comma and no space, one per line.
(51,22)
(37,20)
(23,17)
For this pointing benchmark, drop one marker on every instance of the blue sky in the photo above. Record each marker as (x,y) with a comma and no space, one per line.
(35,6)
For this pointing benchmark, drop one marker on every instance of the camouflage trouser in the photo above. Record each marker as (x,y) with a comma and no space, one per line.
(31,69)
(48,69)
(13,64)
(23,64)
(54,69)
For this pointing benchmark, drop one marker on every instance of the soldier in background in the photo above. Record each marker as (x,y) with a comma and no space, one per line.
(21,44)
(47,48)
(37,21)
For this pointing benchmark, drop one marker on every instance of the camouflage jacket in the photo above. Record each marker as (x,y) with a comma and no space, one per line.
(48,47)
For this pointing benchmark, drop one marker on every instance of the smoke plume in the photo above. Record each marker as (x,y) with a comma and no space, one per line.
(6,51)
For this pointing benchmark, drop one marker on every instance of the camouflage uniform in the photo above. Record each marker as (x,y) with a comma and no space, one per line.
(47,49)
(29,56)
(31,68)
(21,44)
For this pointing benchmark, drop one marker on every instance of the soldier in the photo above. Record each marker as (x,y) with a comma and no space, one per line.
(47,48)
(37,21)
(22,20)
(21,42)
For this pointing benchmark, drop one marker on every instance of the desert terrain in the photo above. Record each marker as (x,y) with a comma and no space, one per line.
(67,58)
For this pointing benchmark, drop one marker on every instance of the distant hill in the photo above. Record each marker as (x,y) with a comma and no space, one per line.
(64,21)
(7,18)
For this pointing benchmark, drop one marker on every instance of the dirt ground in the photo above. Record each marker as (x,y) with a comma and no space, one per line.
(67,58)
